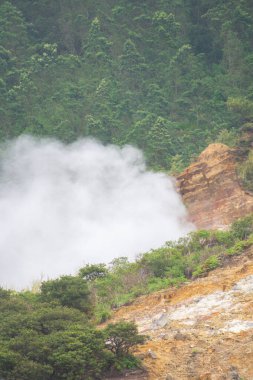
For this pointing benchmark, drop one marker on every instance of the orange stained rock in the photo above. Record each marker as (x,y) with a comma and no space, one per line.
(211,190)
(205,349)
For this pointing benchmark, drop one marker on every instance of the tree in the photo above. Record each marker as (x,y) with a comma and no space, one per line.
(227,137)
(93,271)
(121,337)
(69,291)
(177,165)
(13,36)
(137,134)
(245,171)
(242,228)
(159,143)
(97,47)
(241,106)
(4,294)
(131,59)
(79,353)
(94,127)
(167,26)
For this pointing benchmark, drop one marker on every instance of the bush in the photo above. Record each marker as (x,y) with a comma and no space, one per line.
(121,337)
(240,246)
(245,172)
(198,271)
(242,228)
(227,137)
(224,238)
(126,362)
(211,263)
(93,271)
(68,291)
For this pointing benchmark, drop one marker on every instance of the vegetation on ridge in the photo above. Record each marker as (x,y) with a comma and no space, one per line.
(170,265)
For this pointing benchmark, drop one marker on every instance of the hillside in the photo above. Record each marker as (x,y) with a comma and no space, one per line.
(212,189)
(168,77)
(191,298)
(201,330)
(174,79)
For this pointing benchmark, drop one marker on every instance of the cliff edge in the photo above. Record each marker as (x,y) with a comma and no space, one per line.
(211,190)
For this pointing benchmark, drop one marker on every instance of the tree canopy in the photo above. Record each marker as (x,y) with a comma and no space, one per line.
(167,77)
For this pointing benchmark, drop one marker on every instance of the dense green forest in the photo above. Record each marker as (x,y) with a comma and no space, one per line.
(51,334)
(166,76)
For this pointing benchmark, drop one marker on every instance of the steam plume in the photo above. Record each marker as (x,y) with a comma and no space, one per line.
(63,206)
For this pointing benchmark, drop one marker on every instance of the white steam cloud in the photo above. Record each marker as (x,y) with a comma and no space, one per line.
(63,206)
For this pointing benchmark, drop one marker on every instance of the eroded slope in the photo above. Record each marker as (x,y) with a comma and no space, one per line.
(211,190)
(203,330)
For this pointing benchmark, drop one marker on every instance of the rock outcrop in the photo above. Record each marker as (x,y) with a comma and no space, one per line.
(200,331)
(211,190)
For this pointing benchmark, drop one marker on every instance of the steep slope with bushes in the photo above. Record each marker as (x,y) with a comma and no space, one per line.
(201,330)
(53,334)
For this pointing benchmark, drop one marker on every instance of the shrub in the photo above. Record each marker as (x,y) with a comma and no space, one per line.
(240,246)
(121,337)
(211,263)
(242,228)
(198,271)
(227,137)
(245,172)
(93,271)
(68,291)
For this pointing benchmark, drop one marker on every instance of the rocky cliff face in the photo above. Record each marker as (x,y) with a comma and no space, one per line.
(200,331)
(211,191)
(204,329)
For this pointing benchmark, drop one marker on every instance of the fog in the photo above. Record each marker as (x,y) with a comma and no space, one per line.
(63,206)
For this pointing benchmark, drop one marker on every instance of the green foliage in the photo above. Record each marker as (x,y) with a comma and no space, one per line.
(13,28)
(51,334)
(242,106)
(227,137)
(4,294)
(166,77)
(177,165)
(174,263)
(79,352)
(159,143)
(131,60)
(97,48)
(245,171)
(121,337)
(240,246)
(92,271)
(126,362)
(41,340)
(211,263)
(68,291)
(243,228)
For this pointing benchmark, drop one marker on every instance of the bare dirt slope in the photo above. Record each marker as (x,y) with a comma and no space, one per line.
(211,190)
(202,330)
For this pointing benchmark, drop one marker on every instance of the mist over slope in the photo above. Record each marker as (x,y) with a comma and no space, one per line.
(63,206)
